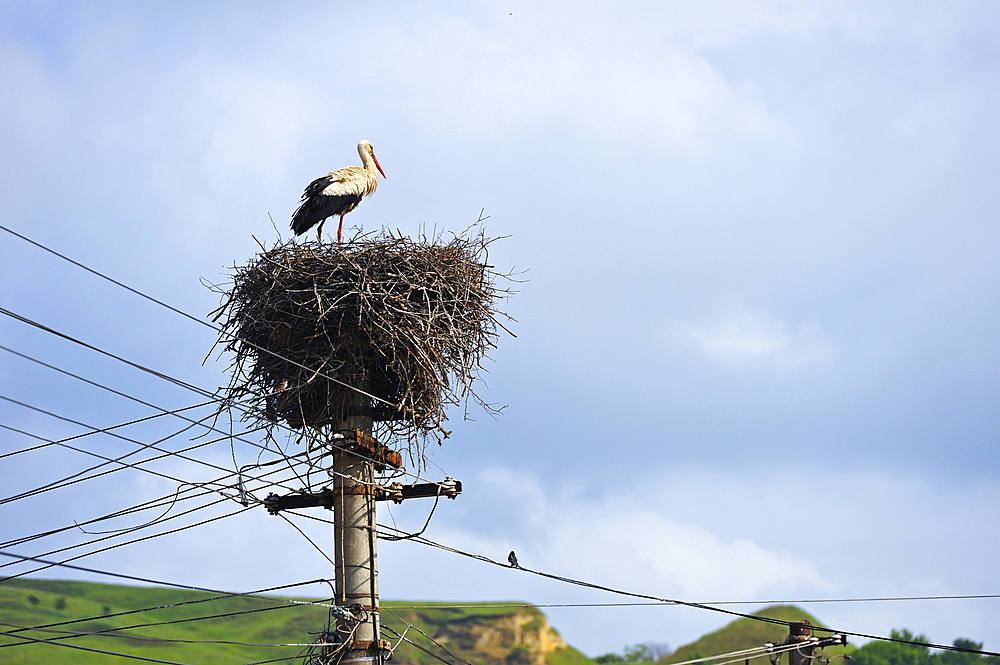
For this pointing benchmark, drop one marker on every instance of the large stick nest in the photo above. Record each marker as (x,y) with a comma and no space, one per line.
(406,322)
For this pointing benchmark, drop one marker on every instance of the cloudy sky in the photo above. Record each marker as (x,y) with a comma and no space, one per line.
(757,352)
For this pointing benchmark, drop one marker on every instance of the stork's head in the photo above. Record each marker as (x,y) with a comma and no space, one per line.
(366,151)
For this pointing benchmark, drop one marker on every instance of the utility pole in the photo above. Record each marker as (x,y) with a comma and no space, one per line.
(800,633)
(389,320)
(356,456)
(355,561)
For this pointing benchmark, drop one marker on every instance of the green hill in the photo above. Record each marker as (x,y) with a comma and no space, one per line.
(745,633)
(194,627)
(178,630)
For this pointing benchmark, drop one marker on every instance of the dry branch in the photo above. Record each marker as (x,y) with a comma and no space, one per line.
(406,322)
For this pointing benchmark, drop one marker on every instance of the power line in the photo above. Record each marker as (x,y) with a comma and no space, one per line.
(69,338)
(708,602)
(174,585)
(702,606)
(107,460)
(170,500)
(110,632)
(116,535)
(86,434)
(183,384)
(142,446)
(190,316)
(101,651)
(251,594)
(133,541)
(120,393)
(75,478)
(430,653)
(166,377)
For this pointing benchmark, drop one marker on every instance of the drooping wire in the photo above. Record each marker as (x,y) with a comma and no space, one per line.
(417,628)
(86,434)
(156,373)
(702,606)
(142,445)
(119,460)
(217,329)
(403,638)
(709,602)
(246,507)
(69,338)
(310,540)
(175,585)
(92,650)
(107,460)
(109,632)
(197,390)
(250,594)
(170,499)
(130,542)
(164,411)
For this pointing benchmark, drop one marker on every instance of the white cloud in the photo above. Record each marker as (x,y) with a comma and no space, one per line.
(743,339)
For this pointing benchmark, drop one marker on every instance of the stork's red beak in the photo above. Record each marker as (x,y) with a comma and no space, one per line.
(377,165)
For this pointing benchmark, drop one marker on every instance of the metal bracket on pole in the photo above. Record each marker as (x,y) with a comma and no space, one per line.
(396,492)
(361,444)
(800,634)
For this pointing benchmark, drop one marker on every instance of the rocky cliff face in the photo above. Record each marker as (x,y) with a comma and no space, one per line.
(523,638)
(520,636)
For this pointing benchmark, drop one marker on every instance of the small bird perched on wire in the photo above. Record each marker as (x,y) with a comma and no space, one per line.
(512,560)
(337,193)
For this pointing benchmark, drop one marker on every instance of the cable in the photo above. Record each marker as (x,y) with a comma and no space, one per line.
(433,655)
(85,434)
(119,393)
(310,540)
(712,602)
(189,316)
(107,460)
(69,480)
(417,628)
(479,557)
(110,632)
(133,541)
(68,338)
(101,651)
(74,478)
(142,446)
(69,634)
(249,594)
(117,534)
(166,377)
(171,498)
(160,582)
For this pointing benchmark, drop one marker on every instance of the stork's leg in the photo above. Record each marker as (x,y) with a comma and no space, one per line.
(340,230)
(319,232)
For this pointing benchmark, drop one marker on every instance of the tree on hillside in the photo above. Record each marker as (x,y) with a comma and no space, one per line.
(961,657)
(649,652)
(880,652)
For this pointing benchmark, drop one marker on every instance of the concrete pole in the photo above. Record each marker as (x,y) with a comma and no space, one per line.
(355,574)
(800,632)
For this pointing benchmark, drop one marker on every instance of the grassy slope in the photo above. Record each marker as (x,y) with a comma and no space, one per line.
(29,602)
(745,633)
(59,601)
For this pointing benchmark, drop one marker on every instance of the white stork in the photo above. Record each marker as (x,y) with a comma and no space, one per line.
(337,193)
